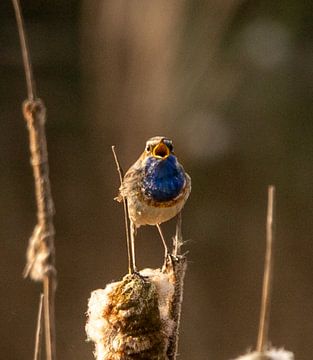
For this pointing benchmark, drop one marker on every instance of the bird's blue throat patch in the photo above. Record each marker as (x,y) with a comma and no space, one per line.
(163,179)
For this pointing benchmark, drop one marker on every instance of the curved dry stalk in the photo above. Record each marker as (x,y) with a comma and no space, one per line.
(40,253)
(176,268)
(37,351)
(268,273)
(31,88)
(131,265)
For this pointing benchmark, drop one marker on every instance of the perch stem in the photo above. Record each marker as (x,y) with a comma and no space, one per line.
(179,265)
(131,260)
(178,239)
(268,273)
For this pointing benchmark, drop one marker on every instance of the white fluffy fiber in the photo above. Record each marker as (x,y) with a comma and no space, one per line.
(96,325)
(271,354)
(165,290)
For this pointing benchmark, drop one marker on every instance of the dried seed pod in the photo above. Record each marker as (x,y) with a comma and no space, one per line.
(130,319)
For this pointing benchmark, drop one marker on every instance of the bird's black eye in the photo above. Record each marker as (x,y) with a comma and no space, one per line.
(148,148)
(170,146)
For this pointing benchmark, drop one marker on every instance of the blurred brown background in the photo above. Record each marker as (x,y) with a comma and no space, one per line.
(232,83)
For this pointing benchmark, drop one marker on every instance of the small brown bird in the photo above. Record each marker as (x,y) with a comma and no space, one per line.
(156,188)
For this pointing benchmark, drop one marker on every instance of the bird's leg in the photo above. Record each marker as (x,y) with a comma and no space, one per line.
(132,259)
(164,244)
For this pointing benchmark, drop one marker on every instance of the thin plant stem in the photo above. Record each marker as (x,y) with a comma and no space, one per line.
(37,351)
(164,245)
(31,88)
(262,340)
(49,289)
(178,239)
(40,253)
(131,261)
(177,267)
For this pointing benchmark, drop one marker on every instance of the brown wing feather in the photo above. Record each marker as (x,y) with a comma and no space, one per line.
(131,181)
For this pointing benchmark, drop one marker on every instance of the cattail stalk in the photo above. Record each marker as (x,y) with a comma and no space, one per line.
(131,265)
(37,352)
(263,352)
(176,266)
(268,273)
(40,253)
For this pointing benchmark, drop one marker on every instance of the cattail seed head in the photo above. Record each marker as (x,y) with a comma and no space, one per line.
(130,319)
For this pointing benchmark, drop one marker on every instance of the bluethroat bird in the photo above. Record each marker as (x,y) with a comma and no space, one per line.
(156,188)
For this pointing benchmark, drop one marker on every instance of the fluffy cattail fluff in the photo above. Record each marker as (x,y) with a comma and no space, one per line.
(130,319)
(271,354)
(40,253)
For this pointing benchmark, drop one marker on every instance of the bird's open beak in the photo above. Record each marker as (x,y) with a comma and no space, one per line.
(161,151)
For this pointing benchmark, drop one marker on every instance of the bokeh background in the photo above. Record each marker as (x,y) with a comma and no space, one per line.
(231,82)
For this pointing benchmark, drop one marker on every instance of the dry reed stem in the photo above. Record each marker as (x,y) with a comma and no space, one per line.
(37,352)
(131,265)
(31,89)
(40,253)
(177,270)
(268,273)
(177,266)
(178,238)
(264,352)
